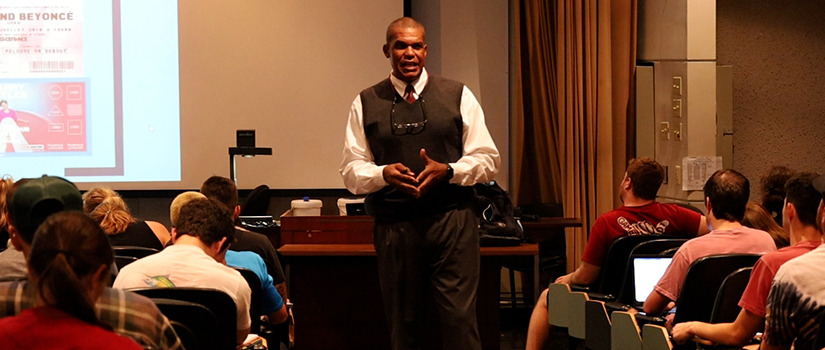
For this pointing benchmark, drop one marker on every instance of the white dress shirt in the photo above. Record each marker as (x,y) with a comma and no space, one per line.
(479,161)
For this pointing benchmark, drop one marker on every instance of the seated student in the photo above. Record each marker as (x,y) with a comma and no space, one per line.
(796,300)
(202,231)
(107,208)
(272,304)
(179,201)
(726,196)
(640,214)
(30,202)
(69,268)
(799,217)
(757,217)
(772,188)
(5,184)
(12,262)
(224,190)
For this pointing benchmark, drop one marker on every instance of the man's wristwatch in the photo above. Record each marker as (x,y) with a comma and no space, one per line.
(450,172)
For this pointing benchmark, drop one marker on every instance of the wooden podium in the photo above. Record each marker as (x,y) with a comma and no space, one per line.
(326,229)
(333,281)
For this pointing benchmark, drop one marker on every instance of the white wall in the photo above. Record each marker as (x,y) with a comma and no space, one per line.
(468,41)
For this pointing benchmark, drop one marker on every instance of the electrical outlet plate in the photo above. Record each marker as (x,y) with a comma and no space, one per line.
(677,86)
(677,107)
(677,132)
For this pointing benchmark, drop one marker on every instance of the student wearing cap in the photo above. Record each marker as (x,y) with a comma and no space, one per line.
(30,202)
(797,297)
(69,266)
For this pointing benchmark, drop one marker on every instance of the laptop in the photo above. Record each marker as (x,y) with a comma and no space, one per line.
(647,270)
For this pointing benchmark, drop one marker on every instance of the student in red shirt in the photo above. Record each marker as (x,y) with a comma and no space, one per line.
(640,214)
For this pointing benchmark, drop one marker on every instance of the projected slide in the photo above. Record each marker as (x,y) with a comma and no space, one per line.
(45,117)
(88,90)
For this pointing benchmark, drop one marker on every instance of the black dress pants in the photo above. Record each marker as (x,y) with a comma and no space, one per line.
(440,255)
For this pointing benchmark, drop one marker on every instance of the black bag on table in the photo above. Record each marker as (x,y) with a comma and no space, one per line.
(497,225)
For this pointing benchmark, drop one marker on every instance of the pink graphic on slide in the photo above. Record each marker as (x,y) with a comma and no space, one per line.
(52,118)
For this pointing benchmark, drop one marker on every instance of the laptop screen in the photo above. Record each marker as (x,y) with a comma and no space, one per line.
(647,270)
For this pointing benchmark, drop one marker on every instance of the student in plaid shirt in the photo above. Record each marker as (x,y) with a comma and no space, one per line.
(129,314)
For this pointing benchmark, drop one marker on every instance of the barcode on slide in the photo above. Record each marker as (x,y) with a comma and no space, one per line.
(41,66)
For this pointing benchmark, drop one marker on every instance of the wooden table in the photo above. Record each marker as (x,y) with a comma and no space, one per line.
(337,299)
(548,227)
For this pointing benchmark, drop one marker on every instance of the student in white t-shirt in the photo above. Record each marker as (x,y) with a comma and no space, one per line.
(203,230)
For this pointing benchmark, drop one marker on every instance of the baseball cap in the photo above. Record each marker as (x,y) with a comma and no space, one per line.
(819,184)
(36,199)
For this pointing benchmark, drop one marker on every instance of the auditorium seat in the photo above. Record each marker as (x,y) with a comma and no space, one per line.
(216,301)
(257,202)
(597,312)
(254,283)
(612,273)
(726,307)
(190,317)
(696,301)
(134,251)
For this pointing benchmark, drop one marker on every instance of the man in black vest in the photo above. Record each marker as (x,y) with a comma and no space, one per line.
(415,143)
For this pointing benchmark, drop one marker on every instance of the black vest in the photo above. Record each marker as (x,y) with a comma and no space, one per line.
(439,103)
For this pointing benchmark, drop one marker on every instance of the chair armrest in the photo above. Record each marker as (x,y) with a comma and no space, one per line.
(650,320)
(591,293)
(580,288)
(616,306)
(601,296)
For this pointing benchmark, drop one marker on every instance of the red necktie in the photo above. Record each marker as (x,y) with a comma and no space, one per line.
(409,93)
